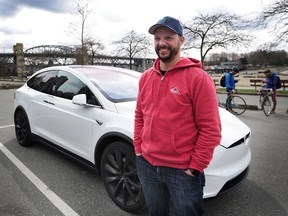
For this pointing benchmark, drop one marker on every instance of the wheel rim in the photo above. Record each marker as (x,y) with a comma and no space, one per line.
(121,179)
(21,128)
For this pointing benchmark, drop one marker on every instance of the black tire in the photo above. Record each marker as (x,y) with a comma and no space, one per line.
(119,176)
(22,128)
(266,105)
(238,105)
(261,102)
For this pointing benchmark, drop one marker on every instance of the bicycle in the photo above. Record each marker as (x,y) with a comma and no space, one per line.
(234,103)
(264,100)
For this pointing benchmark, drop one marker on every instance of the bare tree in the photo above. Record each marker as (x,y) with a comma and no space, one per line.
(277,13)
(81,27)
(214,59)
(94,49)
(266,56)
(132,45)
(206,32)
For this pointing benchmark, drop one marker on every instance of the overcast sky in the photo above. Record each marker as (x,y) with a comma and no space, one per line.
(45,22)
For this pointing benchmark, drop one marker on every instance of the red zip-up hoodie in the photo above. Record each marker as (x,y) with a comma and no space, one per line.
(177,121)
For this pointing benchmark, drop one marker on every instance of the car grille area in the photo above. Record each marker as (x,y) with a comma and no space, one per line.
(234,182)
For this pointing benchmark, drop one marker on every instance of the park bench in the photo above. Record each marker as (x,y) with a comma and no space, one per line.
(216,82)
(284,84)
(256,83)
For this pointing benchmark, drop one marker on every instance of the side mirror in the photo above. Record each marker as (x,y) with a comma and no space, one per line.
(79,99)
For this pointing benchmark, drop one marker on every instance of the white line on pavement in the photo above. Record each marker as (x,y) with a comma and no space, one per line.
(57,201)
(6,126)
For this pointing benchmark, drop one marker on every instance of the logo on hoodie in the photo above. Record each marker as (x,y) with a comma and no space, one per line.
(175,90)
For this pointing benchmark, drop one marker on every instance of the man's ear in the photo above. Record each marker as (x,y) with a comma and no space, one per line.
(182,40)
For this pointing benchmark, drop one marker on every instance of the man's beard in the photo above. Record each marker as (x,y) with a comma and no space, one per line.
(172,52)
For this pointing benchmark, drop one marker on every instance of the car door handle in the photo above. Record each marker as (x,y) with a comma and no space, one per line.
(45,101)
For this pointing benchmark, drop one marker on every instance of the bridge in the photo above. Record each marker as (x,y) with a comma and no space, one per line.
(21,62)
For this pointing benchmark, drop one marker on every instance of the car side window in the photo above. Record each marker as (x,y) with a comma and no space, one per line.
(67,85)
(43,82)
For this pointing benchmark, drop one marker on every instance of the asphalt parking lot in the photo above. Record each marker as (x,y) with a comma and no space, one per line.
(53,184)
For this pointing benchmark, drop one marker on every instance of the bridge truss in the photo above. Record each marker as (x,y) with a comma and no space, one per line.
(41,56)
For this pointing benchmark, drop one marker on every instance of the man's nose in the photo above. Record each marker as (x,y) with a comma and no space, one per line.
(161,42)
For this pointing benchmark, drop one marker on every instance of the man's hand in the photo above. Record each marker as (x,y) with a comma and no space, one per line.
(187,171)
(192,172)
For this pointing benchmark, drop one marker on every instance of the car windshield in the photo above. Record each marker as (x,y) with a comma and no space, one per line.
(115,85)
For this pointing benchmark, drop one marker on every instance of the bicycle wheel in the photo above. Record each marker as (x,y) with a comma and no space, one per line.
(266,105)
(261,101)
(221,104)
(236,105)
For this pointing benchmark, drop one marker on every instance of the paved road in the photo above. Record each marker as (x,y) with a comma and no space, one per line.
(78,189)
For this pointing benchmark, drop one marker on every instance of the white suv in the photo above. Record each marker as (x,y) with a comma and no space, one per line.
(88,113)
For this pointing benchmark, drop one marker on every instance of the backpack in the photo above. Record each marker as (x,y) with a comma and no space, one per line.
(222,81)
(278,83)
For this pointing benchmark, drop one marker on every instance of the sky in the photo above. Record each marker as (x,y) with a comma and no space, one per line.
(46,22)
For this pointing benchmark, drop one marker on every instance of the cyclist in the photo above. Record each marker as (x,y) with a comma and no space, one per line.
(270,81)
(230,82)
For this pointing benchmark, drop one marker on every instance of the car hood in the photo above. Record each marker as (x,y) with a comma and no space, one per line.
(126,108)
(233,129)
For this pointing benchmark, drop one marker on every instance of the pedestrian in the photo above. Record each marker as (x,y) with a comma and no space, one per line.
(270,82)
(177,126)
(230,80)
(230,83)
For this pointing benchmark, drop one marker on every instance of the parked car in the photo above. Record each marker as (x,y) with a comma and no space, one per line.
(88,113)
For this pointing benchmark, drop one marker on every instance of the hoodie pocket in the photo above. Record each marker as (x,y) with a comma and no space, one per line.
(163,143)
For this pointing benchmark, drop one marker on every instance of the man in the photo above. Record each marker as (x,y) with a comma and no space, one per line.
(230,80)
(230,83)
(177,126)
(271,81)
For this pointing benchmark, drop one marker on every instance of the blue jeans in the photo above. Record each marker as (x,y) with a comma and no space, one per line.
(228,100)
(165,185)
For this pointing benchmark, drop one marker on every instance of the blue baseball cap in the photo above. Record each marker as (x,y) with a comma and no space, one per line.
(168,22)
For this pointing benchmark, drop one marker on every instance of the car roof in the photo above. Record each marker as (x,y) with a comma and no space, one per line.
(92,70)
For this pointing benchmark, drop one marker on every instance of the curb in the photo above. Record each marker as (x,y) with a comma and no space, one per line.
(252,107)
(10,86)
